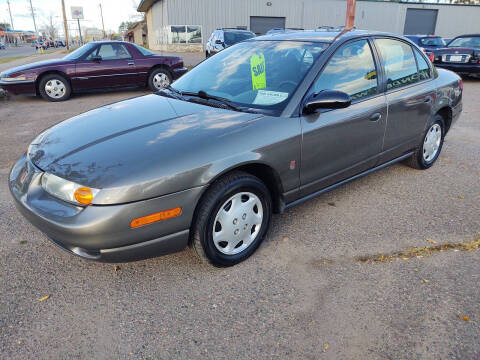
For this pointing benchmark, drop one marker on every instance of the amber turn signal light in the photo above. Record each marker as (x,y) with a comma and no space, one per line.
(159,216)
(84,195)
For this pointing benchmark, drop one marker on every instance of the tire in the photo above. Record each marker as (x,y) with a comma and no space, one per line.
(229,197)
(206,54)
(428,151)
(159,78)
(54,87)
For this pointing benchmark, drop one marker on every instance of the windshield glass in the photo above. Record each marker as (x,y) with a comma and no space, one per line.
(432,41)
(145,52)
(473,41)
(233,37)
(80,51)
(257,74)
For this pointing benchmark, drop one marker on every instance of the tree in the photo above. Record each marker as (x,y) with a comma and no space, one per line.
(51,29)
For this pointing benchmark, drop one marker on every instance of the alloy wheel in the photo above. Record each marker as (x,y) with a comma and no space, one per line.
(161,80)
(55,88)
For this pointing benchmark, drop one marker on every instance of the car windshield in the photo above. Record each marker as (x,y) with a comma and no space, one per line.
(145,52)
(432,41)
(256,74)
(233,37)
(79,52)
(472,41)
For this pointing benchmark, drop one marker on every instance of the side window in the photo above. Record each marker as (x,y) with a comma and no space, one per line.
(423,68)
(113,52)
(352,70)
(398,61)
(92,53)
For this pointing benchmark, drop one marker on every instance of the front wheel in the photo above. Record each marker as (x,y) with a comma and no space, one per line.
(54,87)
(232,219)
(429,149)
(159,78)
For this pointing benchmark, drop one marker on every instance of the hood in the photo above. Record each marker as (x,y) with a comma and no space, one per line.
(34,65)
(144,140)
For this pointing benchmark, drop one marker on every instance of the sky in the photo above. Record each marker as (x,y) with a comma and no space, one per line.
(114,12)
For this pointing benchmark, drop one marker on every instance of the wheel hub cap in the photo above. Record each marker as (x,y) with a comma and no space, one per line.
(55,88)
(161,80)
(237,223)
(432,142)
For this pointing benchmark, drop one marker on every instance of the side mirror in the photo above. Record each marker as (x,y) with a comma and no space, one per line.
(327,99)
(97,58)
(219,42)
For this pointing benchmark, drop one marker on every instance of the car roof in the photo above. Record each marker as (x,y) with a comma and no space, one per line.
(235,30)
(320,36)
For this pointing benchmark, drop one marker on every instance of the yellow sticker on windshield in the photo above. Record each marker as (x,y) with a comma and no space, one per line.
(257,66)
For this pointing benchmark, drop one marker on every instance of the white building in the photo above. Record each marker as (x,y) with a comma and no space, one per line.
(187,24)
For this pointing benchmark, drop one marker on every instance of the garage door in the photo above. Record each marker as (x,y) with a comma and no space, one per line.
(261,24)
(420,21)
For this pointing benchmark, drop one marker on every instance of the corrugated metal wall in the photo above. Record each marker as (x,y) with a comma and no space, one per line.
(308,14)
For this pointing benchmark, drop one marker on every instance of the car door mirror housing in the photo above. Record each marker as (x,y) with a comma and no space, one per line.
(219,42)
(327,99)
(97,58)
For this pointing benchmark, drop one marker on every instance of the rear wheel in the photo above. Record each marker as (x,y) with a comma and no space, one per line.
(159,78)
(429,149)
(54,87)
(232,219)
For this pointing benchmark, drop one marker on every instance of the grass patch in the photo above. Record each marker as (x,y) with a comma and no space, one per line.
(421,252)
(11,58)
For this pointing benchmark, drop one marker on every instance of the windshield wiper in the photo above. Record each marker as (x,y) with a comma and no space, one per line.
(174,92)
(203,95)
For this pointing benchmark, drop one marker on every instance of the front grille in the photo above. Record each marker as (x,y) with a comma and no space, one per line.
(456,58)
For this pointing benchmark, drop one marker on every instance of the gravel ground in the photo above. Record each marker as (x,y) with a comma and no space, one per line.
(303,295)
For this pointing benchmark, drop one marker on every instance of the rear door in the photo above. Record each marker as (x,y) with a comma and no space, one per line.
(108,65)
(340,143)
(410,94)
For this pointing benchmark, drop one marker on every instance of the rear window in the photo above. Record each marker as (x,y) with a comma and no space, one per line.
(432,41)
(235,37)
(145,52)
(470,41)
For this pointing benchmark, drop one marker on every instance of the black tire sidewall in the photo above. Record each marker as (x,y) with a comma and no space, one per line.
(155,72)
(45,79)
(436,120)
(241,185)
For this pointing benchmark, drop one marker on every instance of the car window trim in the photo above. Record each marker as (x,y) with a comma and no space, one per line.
(385,90)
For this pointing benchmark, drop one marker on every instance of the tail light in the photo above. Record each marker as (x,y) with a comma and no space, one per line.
(431,57)
(460,85)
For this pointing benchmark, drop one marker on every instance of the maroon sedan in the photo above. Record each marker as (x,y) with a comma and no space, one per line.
(96,65)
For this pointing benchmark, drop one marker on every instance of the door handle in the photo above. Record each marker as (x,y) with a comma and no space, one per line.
(131,63)
(375,117)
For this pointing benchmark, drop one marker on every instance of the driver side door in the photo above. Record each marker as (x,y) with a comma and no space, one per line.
(108,65)
(341,143)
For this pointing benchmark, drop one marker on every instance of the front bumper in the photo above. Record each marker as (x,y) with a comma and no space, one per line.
(102,232)
(19,87)
(468,69)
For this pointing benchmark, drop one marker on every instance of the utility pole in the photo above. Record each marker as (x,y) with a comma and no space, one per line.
(80,32)
(10,12)
(103,25)
(350,18)
(33,17)
(65,26)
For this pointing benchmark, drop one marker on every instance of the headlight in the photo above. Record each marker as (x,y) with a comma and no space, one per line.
(67,190)
(18,78)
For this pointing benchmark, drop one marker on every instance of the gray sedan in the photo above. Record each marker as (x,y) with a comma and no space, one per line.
(259,127)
